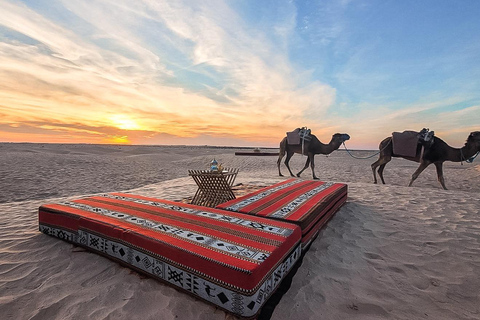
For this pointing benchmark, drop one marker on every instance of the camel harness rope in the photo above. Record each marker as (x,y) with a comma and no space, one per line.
(469,160)
(303,136)
(303,144)
(373,155)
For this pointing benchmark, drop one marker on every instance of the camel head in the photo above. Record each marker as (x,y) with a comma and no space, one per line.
(342,137)
(339,138)
(474,139)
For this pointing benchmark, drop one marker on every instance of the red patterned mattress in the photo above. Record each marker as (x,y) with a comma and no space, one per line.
(307,203)
(232,260)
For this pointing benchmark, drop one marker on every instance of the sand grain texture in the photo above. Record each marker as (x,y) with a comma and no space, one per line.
(391,252)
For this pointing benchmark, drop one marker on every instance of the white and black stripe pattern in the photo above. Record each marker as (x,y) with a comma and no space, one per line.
(239,205)
(245,304)
(294,204)
(205,240)
(212,215)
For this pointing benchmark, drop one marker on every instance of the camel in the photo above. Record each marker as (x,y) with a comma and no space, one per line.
(437,153)
(310,148)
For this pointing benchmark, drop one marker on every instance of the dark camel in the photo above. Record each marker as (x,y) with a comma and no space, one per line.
(437,153)
(310,148)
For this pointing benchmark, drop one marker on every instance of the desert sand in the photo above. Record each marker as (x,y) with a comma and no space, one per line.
(391,252)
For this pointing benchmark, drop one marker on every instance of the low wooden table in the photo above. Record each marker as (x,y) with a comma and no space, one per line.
(213,187)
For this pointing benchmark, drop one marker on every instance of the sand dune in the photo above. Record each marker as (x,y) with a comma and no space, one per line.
(391,252)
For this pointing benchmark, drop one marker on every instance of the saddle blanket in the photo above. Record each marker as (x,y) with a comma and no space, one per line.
(307,203)
(232,260)
(296,136)
(293,137)
(405,143)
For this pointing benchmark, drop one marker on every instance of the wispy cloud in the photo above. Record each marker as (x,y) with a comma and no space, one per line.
(373,123)
(113,69)
(192,70)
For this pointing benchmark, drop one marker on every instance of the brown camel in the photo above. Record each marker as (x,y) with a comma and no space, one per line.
(437,153)
(310,148)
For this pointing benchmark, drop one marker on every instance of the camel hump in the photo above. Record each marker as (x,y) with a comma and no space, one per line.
(295,136)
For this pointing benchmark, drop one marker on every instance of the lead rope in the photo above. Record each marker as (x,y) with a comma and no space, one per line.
(373,155)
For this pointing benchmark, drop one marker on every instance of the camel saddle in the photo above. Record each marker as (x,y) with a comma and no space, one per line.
(295,136)
(405,143)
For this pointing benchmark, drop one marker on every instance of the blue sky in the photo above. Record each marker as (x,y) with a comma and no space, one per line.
(237,73)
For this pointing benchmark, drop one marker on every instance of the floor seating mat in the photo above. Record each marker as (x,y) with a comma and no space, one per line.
(230,259)
(307,203)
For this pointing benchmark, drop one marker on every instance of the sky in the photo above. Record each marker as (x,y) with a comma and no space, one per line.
(237,72)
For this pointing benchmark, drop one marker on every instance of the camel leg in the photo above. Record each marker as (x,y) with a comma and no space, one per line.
(419,170)
(380,172)
(312,164)
(287,159)
(279,161)
(439,166)
(374,176)
(283,148)
(382,161)
(305,167)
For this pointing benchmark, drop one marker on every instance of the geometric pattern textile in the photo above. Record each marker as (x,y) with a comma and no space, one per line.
(232,260)
(307,203)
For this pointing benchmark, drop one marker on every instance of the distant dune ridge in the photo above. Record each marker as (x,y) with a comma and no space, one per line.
(391,252)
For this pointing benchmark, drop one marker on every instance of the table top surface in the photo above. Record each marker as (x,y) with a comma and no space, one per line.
(208,172)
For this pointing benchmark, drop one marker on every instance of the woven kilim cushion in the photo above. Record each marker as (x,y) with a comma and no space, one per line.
(307,203)
(232,260)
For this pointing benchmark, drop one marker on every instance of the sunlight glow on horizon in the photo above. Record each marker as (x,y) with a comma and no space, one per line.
(124,122)
(241,74)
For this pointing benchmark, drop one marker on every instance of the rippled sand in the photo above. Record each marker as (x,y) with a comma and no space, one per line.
(391,252)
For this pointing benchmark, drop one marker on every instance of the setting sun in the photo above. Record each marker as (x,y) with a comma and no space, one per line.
(170,72)
(124,122)
(118,140)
